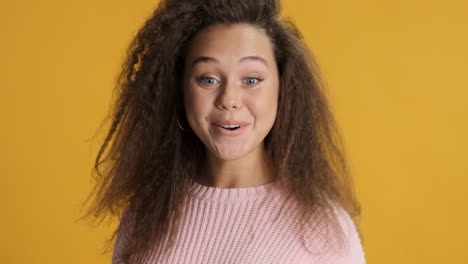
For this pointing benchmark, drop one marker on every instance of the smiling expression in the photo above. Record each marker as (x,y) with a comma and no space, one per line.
(231,80)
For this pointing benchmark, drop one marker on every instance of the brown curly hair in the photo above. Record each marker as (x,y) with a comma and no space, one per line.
(146,161)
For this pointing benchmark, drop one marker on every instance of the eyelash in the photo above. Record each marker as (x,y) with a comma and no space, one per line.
(204,78)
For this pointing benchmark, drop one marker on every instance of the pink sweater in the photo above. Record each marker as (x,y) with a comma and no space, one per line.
(227,226)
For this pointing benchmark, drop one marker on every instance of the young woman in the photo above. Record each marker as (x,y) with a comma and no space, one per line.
(222,148)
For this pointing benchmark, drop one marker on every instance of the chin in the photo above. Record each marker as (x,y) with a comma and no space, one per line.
(230,154)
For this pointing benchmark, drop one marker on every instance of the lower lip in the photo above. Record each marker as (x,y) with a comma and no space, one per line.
(229,133)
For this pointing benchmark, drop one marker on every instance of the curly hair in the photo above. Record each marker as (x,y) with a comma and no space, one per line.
(146,161)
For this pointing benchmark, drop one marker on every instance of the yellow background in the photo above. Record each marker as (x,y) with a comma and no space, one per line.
(396,74)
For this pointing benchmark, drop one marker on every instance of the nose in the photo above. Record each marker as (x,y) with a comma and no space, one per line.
(229,97)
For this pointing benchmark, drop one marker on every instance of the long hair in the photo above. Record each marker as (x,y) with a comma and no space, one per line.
(146,161)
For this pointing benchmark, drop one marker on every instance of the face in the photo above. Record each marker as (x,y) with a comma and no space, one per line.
(231,80)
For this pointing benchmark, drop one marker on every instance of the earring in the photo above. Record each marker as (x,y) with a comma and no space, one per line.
(183,129)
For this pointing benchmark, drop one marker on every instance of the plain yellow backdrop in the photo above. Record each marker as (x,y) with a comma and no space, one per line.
(395,74)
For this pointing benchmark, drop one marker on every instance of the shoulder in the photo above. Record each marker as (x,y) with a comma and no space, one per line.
(353,251)
(331,237)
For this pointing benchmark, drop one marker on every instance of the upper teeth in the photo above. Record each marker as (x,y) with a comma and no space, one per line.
(233,126)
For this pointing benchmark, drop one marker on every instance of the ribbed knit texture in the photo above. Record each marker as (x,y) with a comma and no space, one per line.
(228,225)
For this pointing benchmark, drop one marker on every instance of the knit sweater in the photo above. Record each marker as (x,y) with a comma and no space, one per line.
(228,226)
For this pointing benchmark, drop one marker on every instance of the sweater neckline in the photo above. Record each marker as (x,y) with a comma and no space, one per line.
(218,194)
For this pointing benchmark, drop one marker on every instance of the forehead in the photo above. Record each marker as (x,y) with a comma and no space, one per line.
(229,42)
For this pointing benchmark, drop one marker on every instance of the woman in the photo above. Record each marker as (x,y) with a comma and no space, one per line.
(222,148)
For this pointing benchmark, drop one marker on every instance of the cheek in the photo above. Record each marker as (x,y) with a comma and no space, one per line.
(196,103)
(263,107)
(269,99)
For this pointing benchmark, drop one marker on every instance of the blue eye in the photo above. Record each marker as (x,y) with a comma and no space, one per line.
(252,80)
(208,80)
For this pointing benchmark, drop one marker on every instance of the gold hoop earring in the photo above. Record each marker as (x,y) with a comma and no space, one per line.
(183,129)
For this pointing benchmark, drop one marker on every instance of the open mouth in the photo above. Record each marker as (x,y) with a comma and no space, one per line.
(230,127)
(230,130)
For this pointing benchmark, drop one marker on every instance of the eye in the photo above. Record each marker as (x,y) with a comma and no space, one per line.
(207,80)
(252,80)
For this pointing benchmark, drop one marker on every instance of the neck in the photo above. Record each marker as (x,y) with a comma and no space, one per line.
(254,169)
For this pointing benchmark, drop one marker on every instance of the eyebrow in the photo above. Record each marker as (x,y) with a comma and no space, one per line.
(210,59)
